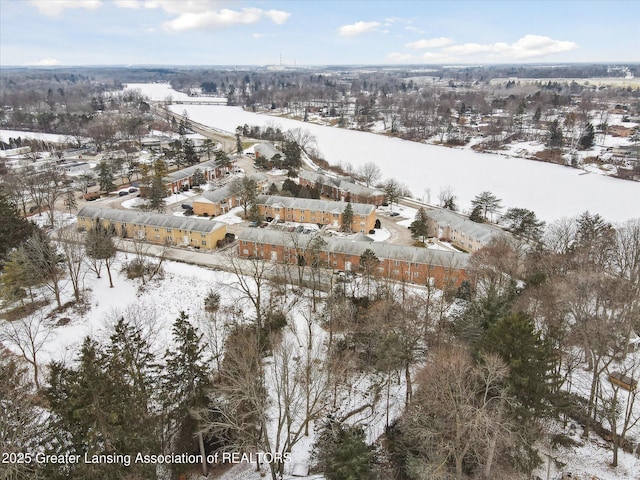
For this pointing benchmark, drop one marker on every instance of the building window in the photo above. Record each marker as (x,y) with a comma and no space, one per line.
(204,243)
(168,230)
(169,238)
(156,229)
(157,237)
(245,251)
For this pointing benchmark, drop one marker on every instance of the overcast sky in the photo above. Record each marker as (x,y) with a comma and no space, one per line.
(320,32)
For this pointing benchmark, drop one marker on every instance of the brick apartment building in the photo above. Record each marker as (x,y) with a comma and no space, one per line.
(416,265)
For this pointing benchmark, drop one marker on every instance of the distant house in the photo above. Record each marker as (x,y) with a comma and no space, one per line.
(220,201)
(397,262)
(459,230)
(155,227)
(156,143)
(323,212)
(341,188)
(73,167)
(265,151)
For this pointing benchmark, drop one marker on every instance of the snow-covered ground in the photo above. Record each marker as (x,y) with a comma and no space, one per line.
(5,135)
(184,287)
(159,92)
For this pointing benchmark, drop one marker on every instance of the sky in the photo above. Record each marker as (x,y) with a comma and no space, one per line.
(316,32)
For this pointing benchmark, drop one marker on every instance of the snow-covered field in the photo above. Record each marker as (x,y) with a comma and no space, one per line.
(159,92)
(5,135)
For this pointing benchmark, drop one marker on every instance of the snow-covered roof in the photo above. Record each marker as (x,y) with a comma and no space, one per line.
(151,219)
(189,171)
(480,231)
(265,150)
(316,205)
(348,246)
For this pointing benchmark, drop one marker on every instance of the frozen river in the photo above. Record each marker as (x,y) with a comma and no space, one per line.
(552,191)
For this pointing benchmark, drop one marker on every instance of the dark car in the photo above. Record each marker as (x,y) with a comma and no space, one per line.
(122,193)
(132,189)
(186,206)
(394,214)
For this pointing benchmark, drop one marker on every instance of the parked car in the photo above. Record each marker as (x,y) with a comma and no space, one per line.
(186,206)
(132,189)
(122,193)
(394,214)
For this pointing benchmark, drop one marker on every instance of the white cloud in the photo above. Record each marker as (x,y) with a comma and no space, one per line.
(413,29)
(223,18)
(47,62)
(538,45)
(528,46)
(277,16)
(56,7)
(262,35)
(430,43)
(134,4)
(357,28)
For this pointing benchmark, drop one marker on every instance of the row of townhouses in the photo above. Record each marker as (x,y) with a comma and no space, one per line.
(155,228)
(397,262)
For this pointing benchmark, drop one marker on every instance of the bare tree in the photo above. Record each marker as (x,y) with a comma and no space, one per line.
(71,243)
(618,400)
(370,173)
(303,138)
(43,255)
(457,417)
(28,335)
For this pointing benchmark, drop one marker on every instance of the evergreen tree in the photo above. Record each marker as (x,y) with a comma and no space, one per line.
(184,383)
(254,212)
(555,138)
(19,276)
(13,228)
(342,452)
(198,177)
(419,227)
(347,218)
(190,155)
(105,177)
(476,214)
(21,419)
(450,203)
(155,196)
(586,141)
(529,358)
(487,202)
(293,155)
(104,405)
(132,368)
(238,145)
(391,192)
(523,223)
